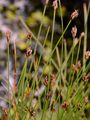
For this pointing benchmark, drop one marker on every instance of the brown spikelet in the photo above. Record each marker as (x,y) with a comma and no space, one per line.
(65,105)
(74,31)
(74,14)
(87,55)
(8,35)
(46,81)
(29,52)
(55,4)
(46,2)
(29,35)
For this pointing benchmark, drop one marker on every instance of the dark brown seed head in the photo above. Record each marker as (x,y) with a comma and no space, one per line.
(87,55)
(49,95)
(76,67)
(32,112)
(65,105)
(46,81)
(29,35)
(29,52)
(86,77)
(79,106)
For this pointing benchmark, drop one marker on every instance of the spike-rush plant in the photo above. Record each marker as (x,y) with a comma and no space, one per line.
(63,92)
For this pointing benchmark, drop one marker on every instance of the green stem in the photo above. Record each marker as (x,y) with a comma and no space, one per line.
(42,50)
(85,38)
(28,29)
(56,47)
(65,49)
(61,37)
(40,28)
(53,29)
(37,39)
(52,36)
(70,74)
(61,29)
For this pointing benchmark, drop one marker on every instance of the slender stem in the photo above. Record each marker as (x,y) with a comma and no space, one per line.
(58,57)
(65,62)
(72,56)
(88,10)
(42,50)
(40,28)
(60,7)
(8,78)
(61,37)
(85,38)
(28,29)
(52,36)
(14,66)
(56,47)
(78,50)
(61,60)
(53,29)
(61,29)
(65,50)
(37,39)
